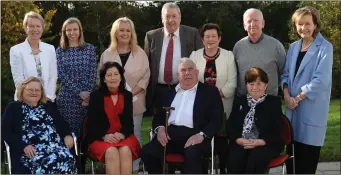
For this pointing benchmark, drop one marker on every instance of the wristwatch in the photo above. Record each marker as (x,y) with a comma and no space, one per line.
(202,134)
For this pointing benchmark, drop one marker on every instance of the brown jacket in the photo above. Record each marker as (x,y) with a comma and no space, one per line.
(136,74)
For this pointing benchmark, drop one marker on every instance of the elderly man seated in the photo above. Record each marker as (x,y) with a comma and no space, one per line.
(191,126)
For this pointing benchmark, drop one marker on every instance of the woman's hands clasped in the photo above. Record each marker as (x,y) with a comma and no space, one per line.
(250,143)
(113,138)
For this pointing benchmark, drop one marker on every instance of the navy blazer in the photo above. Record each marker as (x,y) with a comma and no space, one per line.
(11,130)
(98,123)
(208,110)
(268,119)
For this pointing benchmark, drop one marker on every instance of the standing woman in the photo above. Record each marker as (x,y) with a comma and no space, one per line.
(124,50)
(306,82)
(34,58)
(217,68)
(76,62)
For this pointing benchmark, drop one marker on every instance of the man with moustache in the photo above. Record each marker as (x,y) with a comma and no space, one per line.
(164,48)
(258,50)
(191,126)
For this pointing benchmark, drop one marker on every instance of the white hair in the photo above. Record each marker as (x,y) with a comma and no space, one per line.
(33,14)
(187,60)
(252,10)
(169,5)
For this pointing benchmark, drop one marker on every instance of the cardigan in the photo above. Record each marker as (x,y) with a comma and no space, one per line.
(268,119)
(98,123)
(11,130)
(226,75)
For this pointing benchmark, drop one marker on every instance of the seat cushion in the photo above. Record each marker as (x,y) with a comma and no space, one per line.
(175,158)
(278,161)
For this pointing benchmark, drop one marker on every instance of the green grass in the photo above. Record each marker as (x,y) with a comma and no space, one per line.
(330,151)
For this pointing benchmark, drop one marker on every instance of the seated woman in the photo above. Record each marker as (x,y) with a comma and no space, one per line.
(254,127)
(110,122)
(38,136)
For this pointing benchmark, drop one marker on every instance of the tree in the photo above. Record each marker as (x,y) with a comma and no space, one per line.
(12,33)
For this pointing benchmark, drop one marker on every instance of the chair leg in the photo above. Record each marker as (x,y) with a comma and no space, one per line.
(92,167)
(283,168)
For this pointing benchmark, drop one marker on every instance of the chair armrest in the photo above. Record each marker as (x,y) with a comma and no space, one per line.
(8,155)
(75,143)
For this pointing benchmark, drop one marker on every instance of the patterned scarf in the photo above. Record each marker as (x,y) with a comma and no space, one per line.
(249,119)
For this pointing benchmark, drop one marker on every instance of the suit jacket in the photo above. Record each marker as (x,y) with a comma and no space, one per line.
(136,73)
(226,74)
(268,119)
(314,78)
(207,110)
(11,130)
(190,41)
(98,123)
(23,66)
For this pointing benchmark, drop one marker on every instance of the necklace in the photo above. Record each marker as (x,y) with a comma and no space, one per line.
(306,47)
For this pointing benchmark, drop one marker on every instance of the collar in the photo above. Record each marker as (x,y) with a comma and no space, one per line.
(26,40)
(176,33)
(178,87)
(259,39)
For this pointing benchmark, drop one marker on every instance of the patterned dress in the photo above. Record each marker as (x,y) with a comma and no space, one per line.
(77,72)
(52,157)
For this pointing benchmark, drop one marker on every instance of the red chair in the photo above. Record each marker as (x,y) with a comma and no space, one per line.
(287,137)
(178,159)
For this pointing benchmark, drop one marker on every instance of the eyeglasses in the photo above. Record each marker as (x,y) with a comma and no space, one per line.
(33,90)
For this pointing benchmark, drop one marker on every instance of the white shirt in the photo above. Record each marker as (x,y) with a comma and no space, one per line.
(176,56)
(183,103)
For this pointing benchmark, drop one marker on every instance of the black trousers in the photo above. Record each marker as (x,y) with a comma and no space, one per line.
(306,158)
(251,161)
(152,153)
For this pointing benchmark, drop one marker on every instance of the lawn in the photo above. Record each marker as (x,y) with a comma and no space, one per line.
(330,151)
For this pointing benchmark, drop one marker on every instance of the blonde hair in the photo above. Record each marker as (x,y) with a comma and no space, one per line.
(64,41)
(299,13)
(115,27)
(33,14)
(22,86)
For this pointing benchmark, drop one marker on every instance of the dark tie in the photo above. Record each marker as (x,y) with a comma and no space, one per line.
(168,74)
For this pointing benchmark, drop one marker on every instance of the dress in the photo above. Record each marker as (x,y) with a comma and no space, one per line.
(98,148)
(77,72)
(52,157)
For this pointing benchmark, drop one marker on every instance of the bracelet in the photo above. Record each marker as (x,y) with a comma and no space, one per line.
(299,97)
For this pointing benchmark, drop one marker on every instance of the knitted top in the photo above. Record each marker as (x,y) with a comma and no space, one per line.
(268,54)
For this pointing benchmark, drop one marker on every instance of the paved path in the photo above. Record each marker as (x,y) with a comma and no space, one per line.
(322,168)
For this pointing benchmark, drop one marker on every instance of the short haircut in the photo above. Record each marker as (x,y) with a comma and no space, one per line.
(252,10)
(64,41)
(169,5)
(103,86)
(209,26)
(185,60)
(33,14)
(299,13)
(24,83)
(254,73)
(115,27)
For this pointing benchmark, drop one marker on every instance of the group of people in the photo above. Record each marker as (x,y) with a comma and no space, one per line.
(179,67)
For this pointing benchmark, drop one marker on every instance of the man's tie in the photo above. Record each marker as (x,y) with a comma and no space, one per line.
(168,74)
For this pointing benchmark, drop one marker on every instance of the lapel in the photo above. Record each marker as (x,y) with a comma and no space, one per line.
(310,53)
(44,60)
(182,34)
(198,101)
(132,65)
(158,46)
(221,65)
(297,48)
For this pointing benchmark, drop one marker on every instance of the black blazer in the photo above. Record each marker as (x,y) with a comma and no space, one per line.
(11,130)
(190,41)
(268,119)
(98,123)
(207,110)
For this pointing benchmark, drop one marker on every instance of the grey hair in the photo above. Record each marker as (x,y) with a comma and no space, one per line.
(187,60)
(252,10)
(169,5)
(33,14)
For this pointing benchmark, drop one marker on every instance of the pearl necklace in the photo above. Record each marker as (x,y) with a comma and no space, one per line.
(307,47)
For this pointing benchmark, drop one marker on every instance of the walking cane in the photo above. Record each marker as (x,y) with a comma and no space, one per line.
(168,109)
